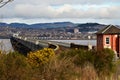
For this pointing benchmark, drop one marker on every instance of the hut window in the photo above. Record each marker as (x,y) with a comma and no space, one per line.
(107,40)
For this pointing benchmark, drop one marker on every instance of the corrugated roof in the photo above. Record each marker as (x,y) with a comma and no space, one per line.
(110,29)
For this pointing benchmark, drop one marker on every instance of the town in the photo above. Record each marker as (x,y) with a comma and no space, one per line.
(79,31)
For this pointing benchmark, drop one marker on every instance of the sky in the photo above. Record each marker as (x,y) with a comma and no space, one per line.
(47,11)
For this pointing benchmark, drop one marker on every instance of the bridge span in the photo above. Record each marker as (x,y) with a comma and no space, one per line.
(27,44)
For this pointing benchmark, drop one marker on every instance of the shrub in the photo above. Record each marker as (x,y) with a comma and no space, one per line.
(40,57)
(45,65)
(102,61)
(13,66)
(59,69)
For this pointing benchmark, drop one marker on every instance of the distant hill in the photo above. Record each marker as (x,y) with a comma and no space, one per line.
(68,26)
(22,25)
(39,25)
(3,24)
(52,25)
(85,27)
(90,25)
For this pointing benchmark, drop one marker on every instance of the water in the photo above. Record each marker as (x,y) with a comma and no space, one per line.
(81,42)
(5,45)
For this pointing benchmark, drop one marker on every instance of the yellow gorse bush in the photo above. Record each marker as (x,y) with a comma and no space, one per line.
(40,57)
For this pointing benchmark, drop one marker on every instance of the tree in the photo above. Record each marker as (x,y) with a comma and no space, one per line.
(4,2)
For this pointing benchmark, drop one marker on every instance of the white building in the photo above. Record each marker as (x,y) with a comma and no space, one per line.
(76,30)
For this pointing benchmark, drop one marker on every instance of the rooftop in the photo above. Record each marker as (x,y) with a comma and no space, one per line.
(110,29)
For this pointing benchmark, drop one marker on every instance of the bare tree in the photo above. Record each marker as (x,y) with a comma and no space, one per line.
(4,2)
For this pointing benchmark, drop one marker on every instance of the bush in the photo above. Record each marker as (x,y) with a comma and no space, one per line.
(45,65)
(59,69)
(40,57)
(102,61)
(13,66)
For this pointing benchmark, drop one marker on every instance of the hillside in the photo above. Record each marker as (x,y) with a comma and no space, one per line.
(38,25)
(90,27)
(69,26)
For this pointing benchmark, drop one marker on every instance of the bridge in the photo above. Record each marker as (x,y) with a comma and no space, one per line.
(27,44)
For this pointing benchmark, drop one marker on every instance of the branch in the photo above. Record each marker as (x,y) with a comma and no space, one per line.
(4,2)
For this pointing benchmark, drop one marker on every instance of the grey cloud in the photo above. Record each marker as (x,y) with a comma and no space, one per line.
(46,9)
(66,11)
(61,2)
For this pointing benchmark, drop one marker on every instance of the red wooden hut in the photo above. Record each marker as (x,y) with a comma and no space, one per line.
(109,37)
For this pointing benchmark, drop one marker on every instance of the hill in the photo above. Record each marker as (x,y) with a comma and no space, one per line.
(69,26)
(38,25)
(90,27)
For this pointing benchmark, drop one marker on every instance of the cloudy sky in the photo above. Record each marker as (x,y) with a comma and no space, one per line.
(77,11)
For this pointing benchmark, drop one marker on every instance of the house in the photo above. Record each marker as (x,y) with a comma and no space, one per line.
(109,37)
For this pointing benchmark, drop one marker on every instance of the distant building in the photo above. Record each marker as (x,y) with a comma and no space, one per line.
(76,30)
(109,37)
(15,35)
